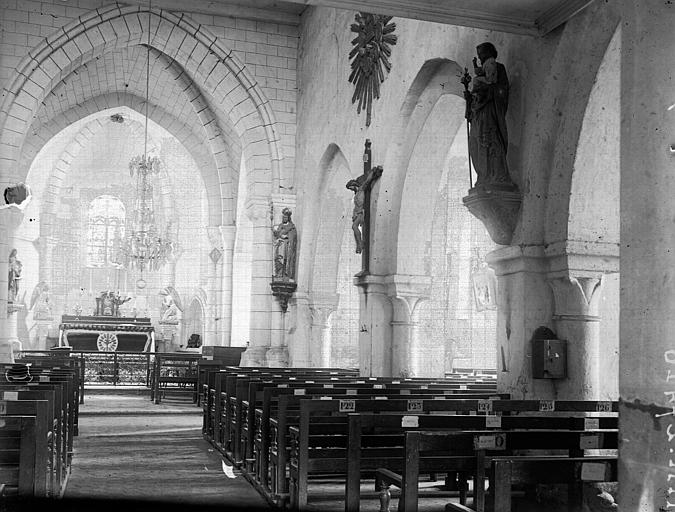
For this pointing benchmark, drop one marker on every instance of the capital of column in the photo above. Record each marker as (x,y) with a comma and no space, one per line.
(582,259)
(406,293)
(515,259)
(321,306)
(575,298)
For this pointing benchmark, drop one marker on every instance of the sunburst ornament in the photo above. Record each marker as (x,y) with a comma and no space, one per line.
(370,57)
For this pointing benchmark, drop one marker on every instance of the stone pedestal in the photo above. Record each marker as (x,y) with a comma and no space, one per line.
(41,330)
(277,357)
(254,356)
(167,336)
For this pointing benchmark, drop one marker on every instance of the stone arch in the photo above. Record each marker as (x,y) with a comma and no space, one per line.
(197,304)
(593,207)
(62,165)
(327,220)
(568,100)
(423,95)
(195,147)
(191,45)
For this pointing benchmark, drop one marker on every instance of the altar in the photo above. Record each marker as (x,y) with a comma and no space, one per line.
(107,333)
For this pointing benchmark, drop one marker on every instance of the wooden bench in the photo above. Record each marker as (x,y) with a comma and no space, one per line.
(469,451)
(18,446)
(12,447)
(387,430)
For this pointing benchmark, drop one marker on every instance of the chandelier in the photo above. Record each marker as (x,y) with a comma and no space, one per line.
(145,247)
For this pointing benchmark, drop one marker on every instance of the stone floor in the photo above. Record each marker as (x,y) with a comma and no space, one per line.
(131,451)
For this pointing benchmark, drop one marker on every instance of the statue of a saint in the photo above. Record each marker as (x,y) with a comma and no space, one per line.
(285,244)
(486,112)
(39,302)
(171,306)
(14,275)
(359,186)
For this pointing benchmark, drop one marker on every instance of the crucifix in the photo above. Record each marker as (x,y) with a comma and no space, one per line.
(361,187)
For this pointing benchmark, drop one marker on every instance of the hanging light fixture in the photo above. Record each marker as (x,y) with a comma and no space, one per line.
(145,248)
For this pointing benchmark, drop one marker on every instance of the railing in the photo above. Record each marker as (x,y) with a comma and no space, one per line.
(108,368)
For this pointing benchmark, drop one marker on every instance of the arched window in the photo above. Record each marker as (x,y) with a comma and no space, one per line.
(107,216)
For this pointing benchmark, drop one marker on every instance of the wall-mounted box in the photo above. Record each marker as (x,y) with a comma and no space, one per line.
(549,359)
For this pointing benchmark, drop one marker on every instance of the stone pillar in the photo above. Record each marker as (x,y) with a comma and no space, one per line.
(406,293)
(10,219)
(577,321)
(258,211)
(278,352)
(524,302)
(321,307)
(300,334)
(647,342)
(575,275)
(214,304)
(375,329)
(228,234)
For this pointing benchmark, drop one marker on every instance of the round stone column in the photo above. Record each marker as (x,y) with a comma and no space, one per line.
(647,342)
(258,211)
(577,321)
(228,234)
(406,293)
(10,219)
(320,340)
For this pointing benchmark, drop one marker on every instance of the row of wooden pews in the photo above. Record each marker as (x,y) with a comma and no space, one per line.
(39,401)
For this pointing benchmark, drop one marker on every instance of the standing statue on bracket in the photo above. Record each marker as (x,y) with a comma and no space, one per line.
(285,244)
(171,306)
(487,103)
(13,277)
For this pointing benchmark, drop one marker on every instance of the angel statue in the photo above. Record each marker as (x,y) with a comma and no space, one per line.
(39,302)
(171,306)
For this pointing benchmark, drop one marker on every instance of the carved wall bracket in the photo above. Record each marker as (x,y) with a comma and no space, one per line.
(283,290)
(496,209)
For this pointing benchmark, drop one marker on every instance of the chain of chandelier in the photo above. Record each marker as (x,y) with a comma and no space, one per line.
(145,247)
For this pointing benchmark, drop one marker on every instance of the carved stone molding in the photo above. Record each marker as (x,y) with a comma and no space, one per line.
(283,290)
(575,298)
(497,209)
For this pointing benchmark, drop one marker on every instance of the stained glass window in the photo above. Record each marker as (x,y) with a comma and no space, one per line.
(106,231)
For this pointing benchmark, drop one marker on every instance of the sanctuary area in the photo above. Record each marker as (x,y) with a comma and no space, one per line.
(337,254)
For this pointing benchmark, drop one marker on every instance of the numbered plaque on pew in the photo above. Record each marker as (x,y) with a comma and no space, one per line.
(489,442)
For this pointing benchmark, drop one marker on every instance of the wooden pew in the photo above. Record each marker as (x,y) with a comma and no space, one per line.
(300,464)
(505,472)
(258,445)
(466,451)
(388,431)
(12,447)
(18,437)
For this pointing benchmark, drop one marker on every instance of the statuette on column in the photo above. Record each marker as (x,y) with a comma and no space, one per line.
(14,276)
(285,244)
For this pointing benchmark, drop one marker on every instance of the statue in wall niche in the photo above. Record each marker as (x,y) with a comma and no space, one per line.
(285,245)
(14,276)
(487,102)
